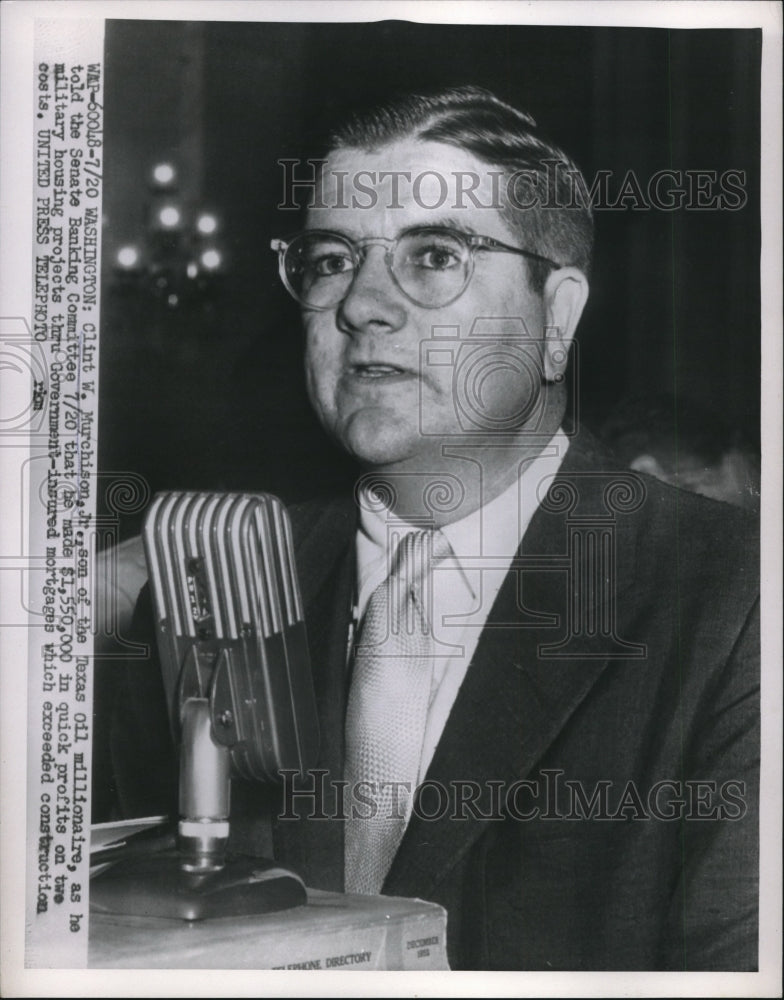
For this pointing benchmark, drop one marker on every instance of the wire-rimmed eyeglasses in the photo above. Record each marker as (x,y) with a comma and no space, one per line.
(431,266)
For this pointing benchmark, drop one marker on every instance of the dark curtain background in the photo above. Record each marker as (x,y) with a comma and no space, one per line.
(211,395)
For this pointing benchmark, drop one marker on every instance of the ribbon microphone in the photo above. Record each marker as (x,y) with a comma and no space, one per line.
(236,673)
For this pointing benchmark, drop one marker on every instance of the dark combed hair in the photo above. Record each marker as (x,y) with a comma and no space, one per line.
(559,225)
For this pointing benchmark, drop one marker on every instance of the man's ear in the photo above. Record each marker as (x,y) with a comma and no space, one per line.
(565,295)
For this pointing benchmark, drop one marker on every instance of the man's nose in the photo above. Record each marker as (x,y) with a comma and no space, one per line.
(374,302)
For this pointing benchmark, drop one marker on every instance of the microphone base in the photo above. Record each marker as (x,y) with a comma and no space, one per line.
(157,886)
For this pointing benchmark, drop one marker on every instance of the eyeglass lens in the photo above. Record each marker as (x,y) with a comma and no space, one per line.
(430,266)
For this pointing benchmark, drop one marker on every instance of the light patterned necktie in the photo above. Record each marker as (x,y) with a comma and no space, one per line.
(387,709)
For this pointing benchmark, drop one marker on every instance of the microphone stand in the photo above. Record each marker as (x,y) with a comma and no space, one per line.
(198,879)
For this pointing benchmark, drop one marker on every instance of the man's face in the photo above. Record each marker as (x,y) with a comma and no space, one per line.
(364,375)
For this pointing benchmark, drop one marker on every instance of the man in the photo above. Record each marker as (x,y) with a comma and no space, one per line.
(570,674)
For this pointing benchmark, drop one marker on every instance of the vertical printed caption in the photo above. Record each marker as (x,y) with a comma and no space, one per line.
(61,474)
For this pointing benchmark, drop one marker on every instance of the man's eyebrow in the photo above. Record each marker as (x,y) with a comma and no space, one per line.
(455,222)
(445,222)
(349,234)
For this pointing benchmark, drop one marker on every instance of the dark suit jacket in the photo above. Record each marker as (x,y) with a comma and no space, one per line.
(618,674)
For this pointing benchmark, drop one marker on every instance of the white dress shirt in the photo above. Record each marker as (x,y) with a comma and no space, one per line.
(464,585)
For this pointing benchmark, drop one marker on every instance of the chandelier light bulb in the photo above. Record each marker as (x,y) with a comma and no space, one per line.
(211,259)
(206,224)
(128,256)
(163,173)
(169,216)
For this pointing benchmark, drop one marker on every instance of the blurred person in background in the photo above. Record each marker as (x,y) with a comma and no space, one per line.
(684,444)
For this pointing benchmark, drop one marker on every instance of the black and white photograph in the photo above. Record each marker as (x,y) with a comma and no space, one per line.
(394,427)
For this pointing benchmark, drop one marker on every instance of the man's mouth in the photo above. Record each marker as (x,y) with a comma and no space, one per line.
(378,371)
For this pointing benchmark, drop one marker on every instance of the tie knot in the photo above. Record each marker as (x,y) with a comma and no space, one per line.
(417,552)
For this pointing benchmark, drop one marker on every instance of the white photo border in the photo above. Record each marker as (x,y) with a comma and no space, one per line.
(16,88)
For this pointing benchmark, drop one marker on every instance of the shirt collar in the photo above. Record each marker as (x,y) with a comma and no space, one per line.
(495,529)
